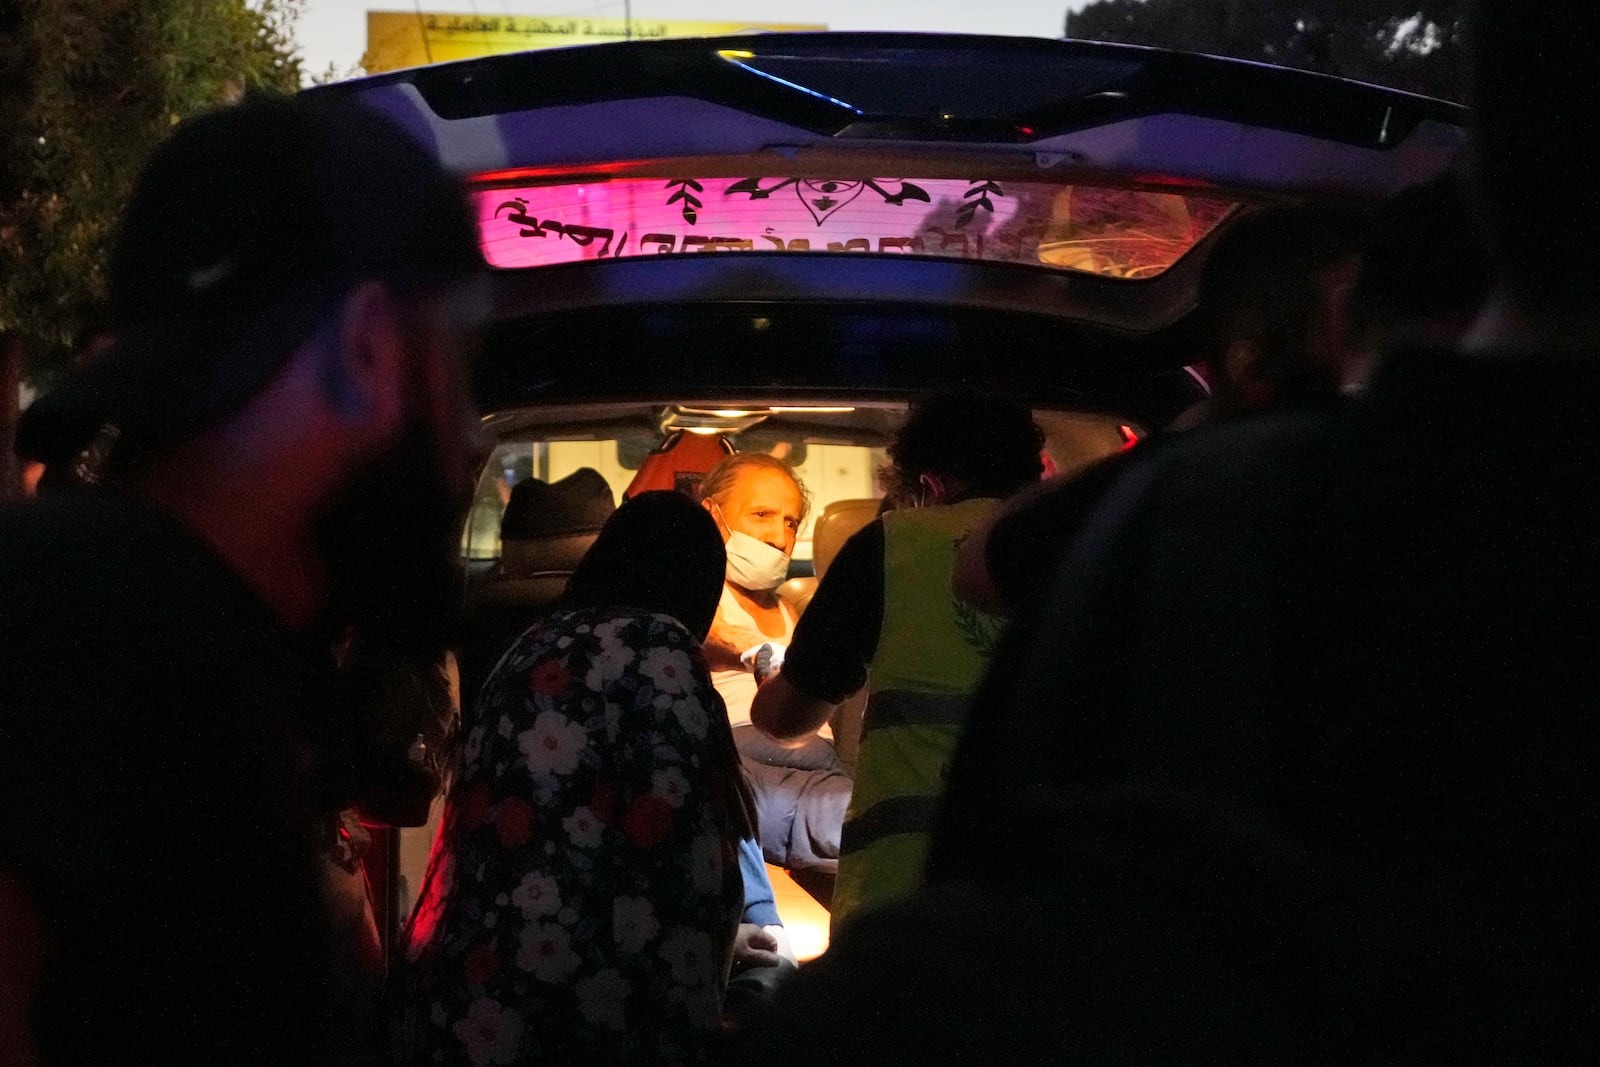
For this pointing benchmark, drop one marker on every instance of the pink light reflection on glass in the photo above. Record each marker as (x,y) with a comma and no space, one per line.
(1120,232)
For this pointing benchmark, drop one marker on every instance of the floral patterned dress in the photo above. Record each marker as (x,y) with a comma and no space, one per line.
(582,895)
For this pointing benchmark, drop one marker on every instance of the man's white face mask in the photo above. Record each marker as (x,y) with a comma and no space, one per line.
(754,564)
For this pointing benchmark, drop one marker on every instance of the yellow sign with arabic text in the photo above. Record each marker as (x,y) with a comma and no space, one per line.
(398,39)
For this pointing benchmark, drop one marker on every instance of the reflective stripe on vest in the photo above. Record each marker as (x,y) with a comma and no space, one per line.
(893,708)
(932,652)
(897,815)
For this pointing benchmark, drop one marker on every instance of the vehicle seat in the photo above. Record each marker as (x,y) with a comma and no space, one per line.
(680,463)
(546,529)
(838,521)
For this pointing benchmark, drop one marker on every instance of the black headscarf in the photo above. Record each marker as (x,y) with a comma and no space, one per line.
(660,552)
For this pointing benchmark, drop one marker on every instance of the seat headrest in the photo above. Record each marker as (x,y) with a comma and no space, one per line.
(838,521)
(520,558)
(579,503)
(536,591)
(548,526)
(680,463)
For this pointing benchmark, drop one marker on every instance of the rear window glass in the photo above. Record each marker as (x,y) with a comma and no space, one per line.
(830,471)
(1110,231)
(833,469)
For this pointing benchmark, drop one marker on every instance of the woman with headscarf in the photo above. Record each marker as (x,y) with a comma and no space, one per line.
(581,900)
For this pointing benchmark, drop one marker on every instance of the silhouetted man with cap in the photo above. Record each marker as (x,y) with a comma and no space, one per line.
(284,450)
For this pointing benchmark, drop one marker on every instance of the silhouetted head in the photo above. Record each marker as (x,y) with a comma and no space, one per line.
(955,446)
(1423,274)
(1274,295)
(292,289)
(659,552)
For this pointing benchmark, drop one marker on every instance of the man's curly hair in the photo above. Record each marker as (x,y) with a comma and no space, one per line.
(989,444)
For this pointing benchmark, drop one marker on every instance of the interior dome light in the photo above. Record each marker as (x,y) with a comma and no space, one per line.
(810,409)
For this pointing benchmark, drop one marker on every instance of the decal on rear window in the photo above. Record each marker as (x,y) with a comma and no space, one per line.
(1112,231)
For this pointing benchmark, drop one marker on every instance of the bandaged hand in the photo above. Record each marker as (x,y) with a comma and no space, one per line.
(764,659)
(755,946)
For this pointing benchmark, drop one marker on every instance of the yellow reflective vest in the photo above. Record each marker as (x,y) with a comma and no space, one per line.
(932,651)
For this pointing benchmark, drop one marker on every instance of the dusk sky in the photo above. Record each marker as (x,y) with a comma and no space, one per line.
(335,31)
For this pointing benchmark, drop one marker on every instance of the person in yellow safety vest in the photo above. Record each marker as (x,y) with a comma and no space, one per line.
(885,616)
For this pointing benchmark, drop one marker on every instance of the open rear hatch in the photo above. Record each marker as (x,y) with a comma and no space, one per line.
(878,213)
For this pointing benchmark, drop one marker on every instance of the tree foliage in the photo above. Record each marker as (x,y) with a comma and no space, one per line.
(1408,44)
(87,88)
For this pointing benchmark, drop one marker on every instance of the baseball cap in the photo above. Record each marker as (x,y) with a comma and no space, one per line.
(247,225)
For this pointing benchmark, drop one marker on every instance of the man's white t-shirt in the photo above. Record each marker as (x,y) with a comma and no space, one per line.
(738,687)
